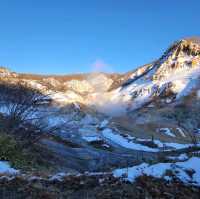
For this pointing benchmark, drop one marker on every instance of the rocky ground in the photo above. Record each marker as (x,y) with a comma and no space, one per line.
(95,187)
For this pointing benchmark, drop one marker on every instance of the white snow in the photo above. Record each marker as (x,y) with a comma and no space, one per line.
(52,81)
(58,177)
(181,157)
(35,84)
(89,133)
(89,119)
(179,169)
(91,138)
(181,132)
(165,145)
(191,164)
(130,173)
(122,141)
(172,145)
(79,86)
(181,81)
(106,145)
(166,131)
(198,131)
(5,168)
(128,142)
(104,123)
(66,97)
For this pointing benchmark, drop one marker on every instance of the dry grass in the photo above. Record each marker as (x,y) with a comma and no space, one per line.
(97,187)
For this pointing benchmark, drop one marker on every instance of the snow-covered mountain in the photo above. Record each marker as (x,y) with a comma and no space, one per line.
(167,80)
(118,123)
(174,75)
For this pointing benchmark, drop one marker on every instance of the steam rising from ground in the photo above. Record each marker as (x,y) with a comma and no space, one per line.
(100,65)
(100,98)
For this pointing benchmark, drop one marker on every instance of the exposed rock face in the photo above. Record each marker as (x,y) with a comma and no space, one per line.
(172,76)
(141,103)
(182,55)
(82,86)
(176,72)
(4,73)
(100,82)
(51,81)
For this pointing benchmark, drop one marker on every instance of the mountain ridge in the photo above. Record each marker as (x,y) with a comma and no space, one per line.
(102,123)
(175,71)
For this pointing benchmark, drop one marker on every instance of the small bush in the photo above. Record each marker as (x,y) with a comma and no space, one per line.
(8,147)
(11,151)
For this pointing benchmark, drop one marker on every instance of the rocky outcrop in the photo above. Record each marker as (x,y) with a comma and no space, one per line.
(5,73)
(181,55)
(176,72)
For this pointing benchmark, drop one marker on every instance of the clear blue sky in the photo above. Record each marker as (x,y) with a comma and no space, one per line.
(67,36)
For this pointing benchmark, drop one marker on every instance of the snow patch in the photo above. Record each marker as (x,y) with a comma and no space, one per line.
(5,168)
(166,131)
(181,132)
(179,169)
(91,138)
(122,141)
(181,157)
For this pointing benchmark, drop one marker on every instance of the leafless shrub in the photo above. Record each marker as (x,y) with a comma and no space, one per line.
(20,106)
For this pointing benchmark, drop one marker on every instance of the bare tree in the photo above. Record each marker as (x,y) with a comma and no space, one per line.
(29,114)
(20,105)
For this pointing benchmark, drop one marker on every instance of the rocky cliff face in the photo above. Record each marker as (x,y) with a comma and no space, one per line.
(184,54)
(176,72)
(6,73)
(174,75)
(104,120)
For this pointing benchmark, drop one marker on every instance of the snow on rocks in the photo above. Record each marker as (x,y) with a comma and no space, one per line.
(181,157)
(91,138)
(52,81)
(181,132)
(197,131)
(88,119)
(172,145)
(87,130)
(103,124)
(175,75)
(36,85)
(191,165)
(89,133)
(6,169)
(58,177)
(66,97)
(130,173)
(124,142)
(130,142)
(179,169)
(166,131)
(80,86)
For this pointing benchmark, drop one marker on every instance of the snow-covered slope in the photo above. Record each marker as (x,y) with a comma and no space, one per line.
(176,72)
(79,107)
(178,169)
(172,76)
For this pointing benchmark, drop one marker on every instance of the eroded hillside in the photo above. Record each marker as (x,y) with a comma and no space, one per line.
(100,122)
